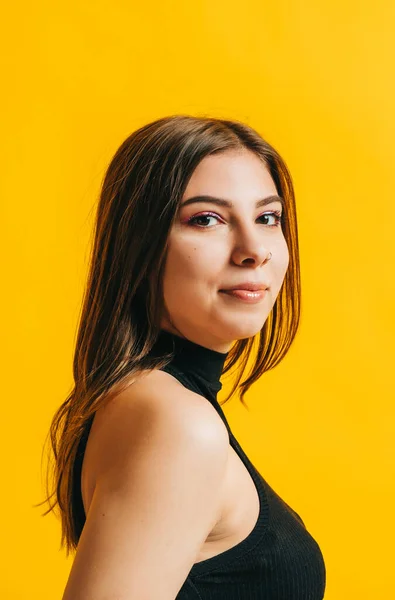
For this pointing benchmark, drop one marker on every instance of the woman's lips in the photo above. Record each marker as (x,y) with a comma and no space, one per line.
(246,295)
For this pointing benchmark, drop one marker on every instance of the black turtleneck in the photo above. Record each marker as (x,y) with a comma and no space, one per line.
(196,367)
(193,359)
(279,559)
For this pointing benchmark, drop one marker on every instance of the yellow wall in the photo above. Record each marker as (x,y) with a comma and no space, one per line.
(315,78)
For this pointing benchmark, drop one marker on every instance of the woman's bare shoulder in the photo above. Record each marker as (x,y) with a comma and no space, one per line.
(160,461)
(154,399)
(158,392)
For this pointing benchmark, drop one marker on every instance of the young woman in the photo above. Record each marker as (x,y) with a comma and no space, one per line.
(195,258)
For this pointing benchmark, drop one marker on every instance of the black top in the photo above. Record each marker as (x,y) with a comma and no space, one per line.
(279,559)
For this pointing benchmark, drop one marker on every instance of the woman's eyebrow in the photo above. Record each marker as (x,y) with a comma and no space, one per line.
(228,204)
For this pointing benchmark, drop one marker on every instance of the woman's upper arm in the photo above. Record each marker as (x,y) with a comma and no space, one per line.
(157,497)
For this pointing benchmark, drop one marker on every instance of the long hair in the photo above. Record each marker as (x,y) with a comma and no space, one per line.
(122,303)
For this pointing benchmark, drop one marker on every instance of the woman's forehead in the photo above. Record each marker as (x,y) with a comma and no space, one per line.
(232,176)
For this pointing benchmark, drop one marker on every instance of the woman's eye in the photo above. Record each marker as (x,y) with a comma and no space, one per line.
(192,220)
(276,214)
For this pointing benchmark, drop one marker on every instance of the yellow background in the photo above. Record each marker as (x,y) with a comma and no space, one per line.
(317,80)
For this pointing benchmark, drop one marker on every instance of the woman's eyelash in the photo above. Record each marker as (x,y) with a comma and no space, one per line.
(276,213)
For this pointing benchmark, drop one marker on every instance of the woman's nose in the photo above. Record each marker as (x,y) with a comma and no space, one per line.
(257,255)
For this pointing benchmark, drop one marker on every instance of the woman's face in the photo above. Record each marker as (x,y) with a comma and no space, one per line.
(213,247)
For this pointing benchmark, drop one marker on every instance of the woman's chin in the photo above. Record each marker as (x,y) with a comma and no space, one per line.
(243,330)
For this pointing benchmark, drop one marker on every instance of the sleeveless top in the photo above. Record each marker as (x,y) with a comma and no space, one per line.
(279,559)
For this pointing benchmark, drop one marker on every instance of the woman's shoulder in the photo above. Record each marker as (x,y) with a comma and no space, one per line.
(160,464)
(156,404)
(155,393)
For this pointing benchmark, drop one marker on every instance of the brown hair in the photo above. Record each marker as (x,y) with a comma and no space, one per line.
(122,303)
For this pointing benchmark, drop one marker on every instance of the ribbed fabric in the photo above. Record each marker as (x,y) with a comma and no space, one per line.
(279,559)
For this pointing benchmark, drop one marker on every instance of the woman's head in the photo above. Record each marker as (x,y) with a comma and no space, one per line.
(228,224)
(153,269)
(156,264)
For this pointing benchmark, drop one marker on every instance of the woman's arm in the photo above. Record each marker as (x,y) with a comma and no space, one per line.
(160,469)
